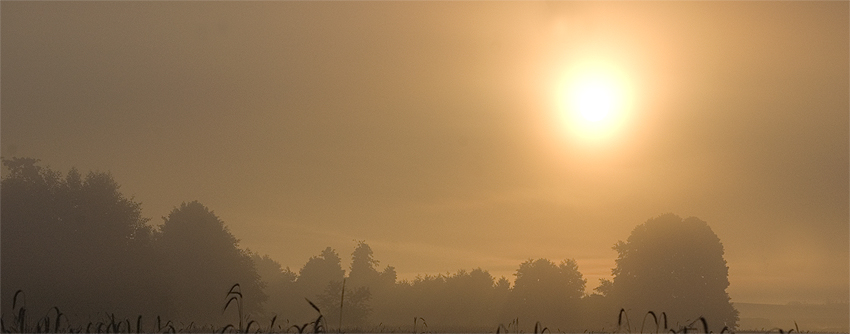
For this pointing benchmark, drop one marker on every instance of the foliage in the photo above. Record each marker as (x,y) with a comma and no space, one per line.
(71,237)
(674,265)
(547,292)
(318,272)
(380,285)
(204,256)
(355,304)
(363,272)
(283,298)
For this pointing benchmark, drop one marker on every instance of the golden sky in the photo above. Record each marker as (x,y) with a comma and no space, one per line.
(438,132)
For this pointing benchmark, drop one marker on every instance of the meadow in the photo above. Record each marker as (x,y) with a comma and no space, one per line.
(55,321)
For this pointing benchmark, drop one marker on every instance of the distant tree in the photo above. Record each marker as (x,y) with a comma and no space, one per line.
(380,285)
(204,261)
(75,242)
(598,311)
(355,304)
(501,298)
(471,296)
(503,287)
(673,265)
(362,271)
(604,288)
(387,277)
(318,272)
(312,283)
(283,298)
(425,297)
(465,299)
(549,293)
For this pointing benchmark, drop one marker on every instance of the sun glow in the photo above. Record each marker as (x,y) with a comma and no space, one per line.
(595,100)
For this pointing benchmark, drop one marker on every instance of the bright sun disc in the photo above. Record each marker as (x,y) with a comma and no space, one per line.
(595,101)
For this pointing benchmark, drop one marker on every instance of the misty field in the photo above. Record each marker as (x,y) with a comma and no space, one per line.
(425,166)
(670,276)
(22,321)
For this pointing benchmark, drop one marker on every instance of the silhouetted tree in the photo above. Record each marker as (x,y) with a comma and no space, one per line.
(463,300)
(422,296)
(204,261)
(362,271)
(283,299)
(503,287)
(604,288)
(675,266)
(599,312)
(380,285)
(355,305)
(318,272)
(387,277)
(75,242)
(549,293)
(472,296)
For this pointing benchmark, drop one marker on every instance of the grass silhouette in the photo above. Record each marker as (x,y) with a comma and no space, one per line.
(54,321)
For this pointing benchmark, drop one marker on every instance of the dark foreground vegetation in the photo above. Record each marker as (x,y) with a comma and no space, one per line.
(55,322)
(77,248)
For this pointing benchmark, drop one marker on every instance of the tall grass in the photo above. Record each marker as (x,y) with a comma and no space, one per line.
(54,321)
(690,327)
(234,295)
(414,323)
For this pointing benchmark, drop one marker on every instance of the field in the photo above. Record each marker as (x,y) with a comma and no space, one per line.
(57,322)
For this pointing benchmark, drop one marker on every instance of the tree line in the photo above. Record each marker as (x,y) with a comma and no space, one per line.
(77,243)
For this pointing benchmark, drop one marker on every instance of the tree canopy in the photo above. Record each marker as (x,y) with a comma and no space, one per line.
(673,265)
(548,292)
(362,271)
(68,239)
(76,242)
(318,272)
(204,261)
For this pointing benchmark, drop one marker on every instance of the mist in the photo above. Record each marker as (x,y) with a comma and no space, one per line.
(434,134)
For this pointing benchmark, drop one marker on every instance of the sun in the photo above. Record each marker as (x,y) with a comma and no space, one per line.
(595,100)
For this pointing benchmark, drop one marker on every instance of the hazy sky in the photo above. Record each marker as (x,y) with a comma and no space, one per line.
(434,131)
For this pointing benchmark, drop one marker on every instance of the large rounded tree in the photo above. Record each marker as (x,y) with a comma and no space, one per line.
(674,265)
(203,262)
